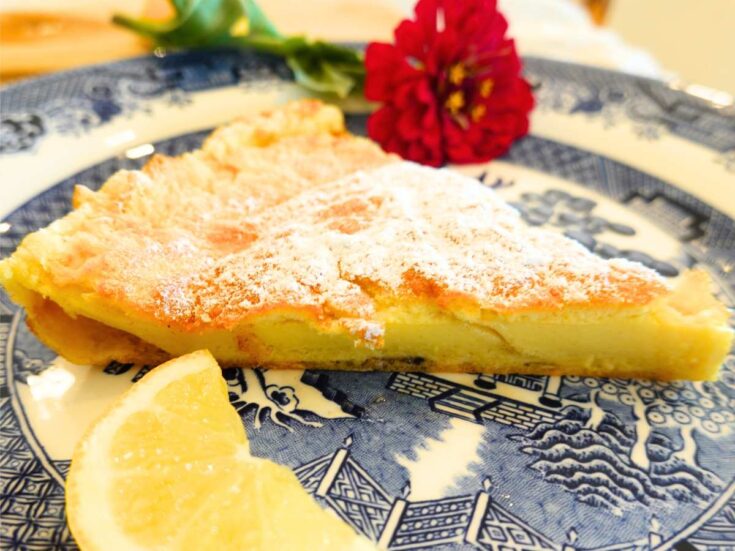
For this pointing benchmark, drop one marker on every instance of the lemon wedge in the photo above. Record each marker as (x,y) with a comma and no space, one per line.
(168,467)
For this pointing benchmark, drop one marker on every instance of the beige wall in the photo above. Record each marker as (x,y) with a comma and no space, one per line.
(693,38)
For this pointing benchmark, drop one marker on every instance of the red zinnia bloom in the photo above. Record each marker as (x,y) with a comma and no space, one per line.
(450,85)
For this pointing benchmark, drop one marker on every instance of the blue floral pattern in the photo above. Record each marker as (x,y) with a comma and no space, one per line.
(612,464)
(74,102)
(654,107)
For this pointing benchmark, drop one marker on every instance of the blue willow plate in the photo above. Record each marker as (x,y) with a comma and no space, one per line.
(629,167)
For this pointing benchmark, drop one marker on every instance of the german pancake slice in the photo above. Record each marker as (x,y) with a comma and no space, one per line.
(285,240)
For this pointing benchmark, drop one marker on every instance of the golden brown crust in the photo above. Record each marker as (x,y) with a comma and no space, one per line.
(131,242)
(86,341)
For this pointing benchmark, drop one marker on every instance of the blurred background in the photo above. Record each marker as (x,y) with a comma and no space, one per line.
(669,39)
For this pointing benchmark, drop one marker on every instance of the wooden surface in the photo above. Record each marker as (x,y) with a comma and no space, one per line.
(36,43)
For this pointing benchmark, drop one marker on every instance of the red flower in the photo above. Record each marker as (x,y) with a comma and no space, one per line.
(450,85)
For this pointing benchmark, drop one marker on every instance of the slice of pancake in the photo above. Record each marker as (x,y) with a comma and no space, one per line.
(286,241)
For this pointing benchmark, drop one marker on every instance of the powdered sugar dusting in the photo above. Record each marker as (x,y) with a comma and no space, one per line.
(335,253)
(369,333)
(403,229)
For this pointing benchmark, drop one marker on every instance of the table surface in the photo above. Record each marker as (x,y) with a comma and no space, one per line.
(39,36)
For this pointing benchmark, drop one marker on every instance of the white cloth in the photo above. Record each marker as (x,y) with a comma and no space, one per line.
(562,29)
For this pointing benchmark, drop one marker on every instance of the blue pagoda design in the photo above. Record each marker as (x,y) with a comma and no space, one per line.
(396,523)
(719,532)
(338,481)
(533,400)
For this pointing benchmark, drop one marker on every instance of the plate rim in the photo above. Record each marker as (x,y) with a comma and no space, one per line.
(671,84)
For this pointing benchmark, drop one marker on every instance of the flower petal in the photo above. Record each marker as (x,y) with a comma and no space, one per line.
(411,78)
(385,68)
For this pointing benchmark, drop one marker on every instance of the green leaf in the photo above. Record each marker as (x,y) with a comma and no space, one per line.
(319,66)
(325,67)
(267,44)
(321,76)
(203,23)
(179,5)
(260,25)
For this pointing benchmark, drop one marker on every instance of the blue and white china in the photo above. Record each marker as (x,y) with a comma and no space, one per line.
(627,166)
